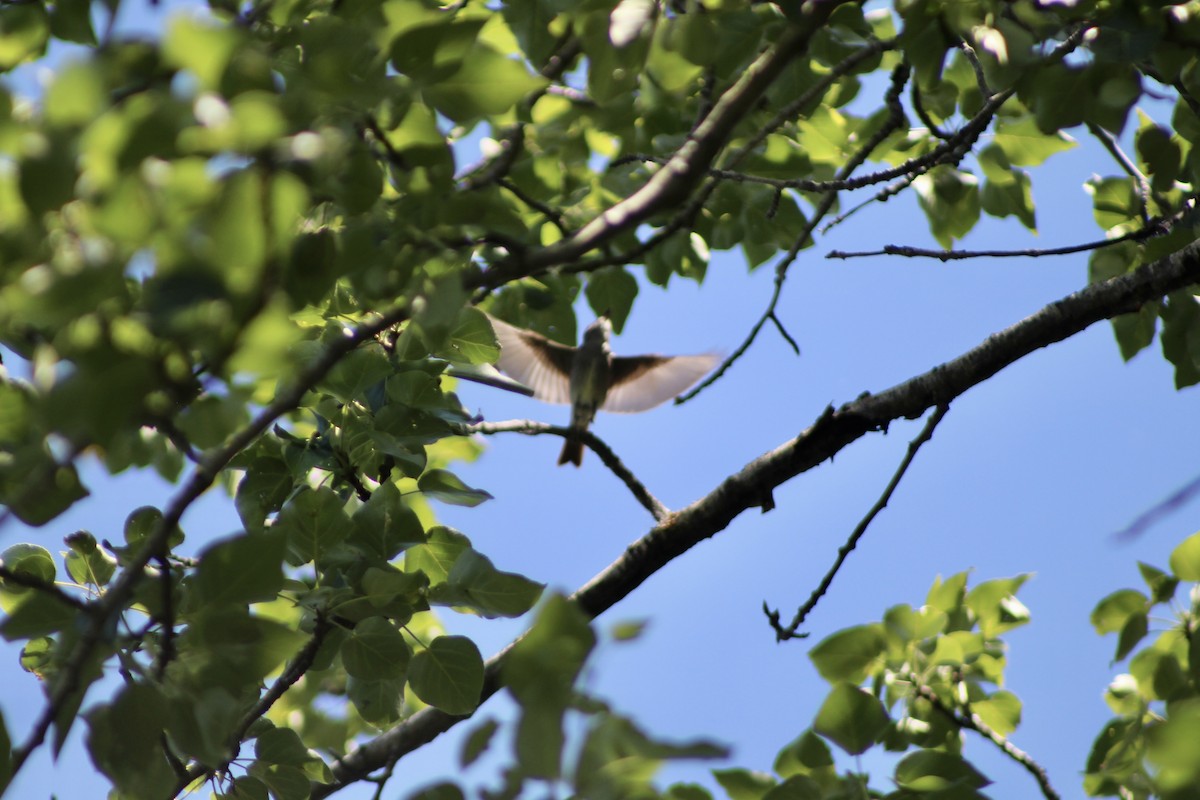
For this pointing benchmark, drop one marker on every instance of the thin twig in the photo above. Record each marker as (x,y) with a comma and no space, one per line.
(531,428)
(1144,192)
(782,633)
(973,59)
(1155,227)
(882,196)
(972,721)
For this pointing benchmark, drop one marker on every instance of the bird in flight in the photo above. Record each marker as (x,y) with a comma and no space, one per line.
(590,378)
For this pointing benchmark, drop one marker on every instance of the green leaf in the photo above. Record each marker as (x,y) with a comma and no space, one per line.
(1111,613)
(125,742)
(1181,337)
(75,97)
(31,560)
(448,674)
(744,784)
(1162,586)
(806,755)
(1025,145)
(385,526)
(5,756)
(1013,197)
(284,781)
(473,340)
(1161,155)
(851,718)
(87,561)
(797,787)
(476,742)
(951,202)
(314,523)
(436,557)
(1134,630)
(1001,710)
(39,614)
(24,32)
(281,746)
(71,21)
(1185,559)
(611,290)
(1174,747)
(1115,202)
(441,484)
(936,771)
(361,369)
(487,84)
(540,672)
(848,654)
(201,46)
(996,607)
(439,791)
(377,702)
(244,569)
(474,581)
(267,484)
(376,651)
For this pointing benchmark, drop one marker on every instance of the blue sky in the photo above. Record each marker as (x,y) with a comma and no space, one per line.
(1030,472)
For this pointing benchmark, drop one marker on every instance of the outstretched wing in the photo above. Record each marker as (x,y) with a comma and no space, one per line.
(642,382)
(534,360)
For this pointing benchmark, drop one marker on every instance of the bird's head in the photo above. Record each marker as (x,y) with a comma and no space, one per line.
(598,331)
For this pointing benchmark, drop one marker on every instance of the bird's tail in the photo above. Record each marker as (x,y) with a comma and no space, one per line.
(572,452)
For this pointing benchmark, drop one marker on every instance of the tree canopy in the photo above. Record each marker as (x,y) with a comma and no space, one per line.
(249,253)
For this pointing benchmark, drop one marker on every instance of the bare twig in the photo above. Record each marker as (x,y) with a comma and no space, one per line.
(790,632)
(972,721)
(1155,227)
(529,427)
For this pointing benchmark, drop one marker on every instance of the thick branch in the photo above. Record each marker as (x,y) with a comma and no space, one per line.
(752,486)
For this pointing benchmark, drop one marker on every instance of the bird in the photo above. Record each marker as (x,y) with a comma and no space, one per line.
(590,378)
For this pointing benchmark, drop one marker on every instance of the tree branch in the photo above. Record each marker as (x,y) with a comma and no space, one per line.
(1155,227)
(972,721)
(684,529)
(782,633)
(597,445)
(672,184)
